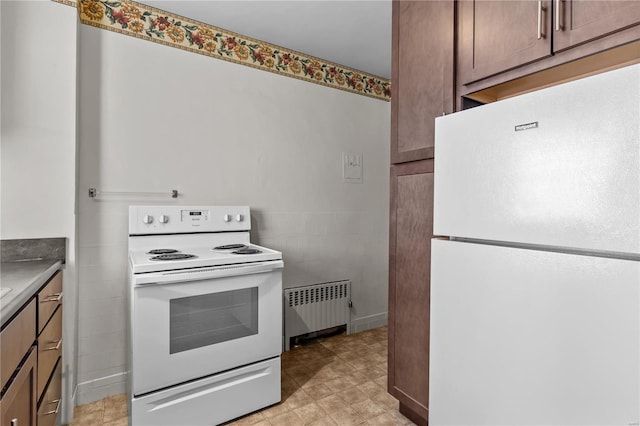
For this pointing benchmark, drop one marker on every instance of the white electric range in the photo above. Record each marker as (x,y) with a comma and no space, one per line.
(205,316)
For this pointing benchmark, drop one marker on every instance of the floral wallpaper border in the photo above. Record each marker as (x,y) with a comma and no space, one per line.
(148,23)
(72,3)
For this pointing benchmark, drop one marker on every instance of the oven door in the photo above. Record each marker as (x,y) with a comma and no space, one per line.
(211,320)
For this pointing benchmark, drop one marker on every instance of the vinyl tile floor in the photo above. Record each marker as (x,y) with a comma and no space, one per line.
(339,380)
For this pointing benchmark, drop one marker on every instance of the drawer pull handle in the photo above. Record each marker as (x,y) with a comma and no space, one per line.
(54,348)
(14,422)
(56,297)
(57,402)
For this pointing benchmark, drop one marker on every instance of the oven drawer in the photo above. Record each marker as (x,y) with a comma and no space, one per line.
(49,298)
(212,400)
(49,349)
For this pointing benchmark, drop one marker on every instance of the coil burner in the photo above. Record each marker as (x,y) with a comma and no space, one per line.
(230,247)
(247,251)
(162,251)
(173,256)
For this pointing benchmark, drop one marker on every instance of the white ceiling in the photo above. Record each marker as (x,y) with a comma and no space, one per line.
(354,33)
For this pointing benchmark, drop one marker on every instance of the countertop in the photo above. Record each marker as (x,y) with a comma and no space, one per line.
(24,279)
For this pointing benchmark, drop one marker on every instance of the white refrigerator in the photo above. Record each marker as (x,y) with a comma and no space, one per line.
(535,273)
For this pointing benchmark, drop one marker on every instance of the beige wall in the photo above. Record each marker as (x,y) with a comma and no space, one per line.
(38,148)
(154,118)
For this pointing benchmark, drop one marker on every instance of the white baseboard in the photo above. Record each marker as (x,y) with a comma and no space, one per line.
(369,322)
(95,390)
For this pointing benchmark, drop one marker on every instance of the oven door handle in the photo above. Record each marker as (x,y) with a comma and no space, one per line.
(197,274)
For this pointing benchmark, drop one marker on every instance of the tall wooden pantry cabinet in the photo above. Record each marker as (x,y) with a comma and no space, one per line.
(423,88)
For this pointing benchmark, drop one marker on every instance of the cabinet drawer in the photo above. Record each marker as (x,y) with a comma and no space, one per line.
(49,298)
(51,402)
(16,339)
(49,349)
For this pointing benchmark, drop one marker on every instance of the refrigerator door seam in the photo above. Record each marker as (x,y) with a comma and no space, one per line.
(557,249)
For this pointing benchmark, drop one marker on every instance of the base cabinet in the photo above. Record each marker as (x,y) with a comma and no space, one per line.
(31,367)
(409,270)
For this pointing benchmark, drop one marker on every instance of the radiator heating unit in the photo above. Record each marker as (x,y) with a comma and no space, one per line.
(314,308)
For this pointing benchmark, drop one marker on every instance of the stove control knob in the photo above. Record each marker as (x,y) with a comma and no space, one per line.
(239,218)
(147,219)
(163,218)
(227,218)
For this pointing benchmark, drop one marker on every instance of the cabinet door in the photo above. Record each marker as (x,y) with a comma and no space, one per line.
(18,404)
(422,75)
(580,21)
(15,340)
(409,276)
(495,36)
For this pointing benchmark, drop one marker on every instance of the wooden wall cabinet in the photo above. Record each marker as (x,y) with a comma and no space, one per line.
(579,21)
(411,229)
(497,36)
(422,75)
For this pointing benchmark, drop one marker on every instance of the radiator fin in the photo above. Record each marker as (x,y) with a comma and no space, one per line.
(307,295)
(316,307)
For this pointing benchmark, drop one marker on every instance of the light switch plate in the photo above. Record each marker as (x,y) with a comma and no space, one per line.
(351,167)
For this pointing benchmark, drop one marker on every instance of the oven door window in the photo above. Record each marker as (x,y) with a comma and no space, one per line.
(207,319)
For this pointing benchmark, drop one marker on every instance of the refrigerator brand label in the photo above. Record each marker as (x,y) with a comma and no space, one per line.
(527,126)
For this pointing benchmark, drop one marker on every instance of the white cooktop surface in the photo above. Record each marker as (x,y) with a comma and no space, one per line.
(141,261)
